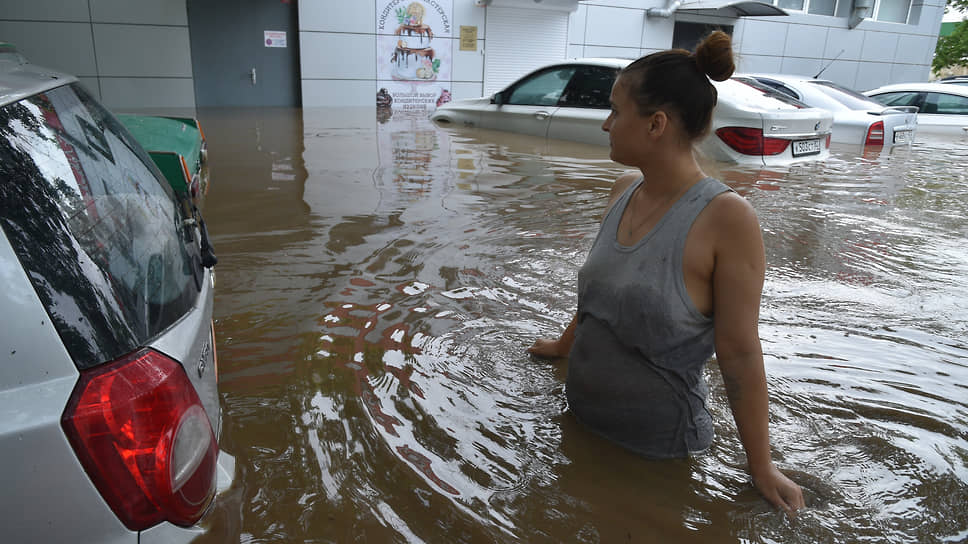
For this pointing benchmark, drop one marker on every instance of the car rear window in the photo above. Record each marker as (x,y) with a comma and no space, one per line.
(852,99)
(754,94)
(97,230)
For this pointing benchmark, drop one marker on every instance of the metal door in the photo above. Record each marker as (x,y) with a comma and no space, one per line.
(240,56)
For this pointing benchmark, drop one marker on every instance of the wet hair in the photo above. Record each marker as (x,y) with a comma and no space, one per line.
(676,81)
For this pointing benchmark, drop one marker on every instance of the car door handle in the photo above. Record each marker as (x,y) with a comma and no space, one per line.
(541,115)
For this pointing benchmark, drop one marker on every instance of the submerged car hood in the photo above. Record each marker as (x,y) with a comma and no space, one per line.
(464,103)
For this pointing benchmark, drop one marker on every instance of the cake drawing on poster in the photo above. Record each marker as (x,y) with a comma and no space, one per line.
(413,61)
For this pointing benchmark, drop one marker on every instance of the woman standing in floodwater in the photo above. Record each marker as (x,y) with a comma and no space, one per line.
(675,273)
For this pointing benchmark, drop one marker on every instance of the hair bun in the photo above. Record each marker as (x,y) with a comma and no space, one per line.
(714,56)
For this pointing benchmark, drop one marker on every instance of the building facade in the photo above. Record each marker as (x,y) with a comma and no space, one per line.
(146,53)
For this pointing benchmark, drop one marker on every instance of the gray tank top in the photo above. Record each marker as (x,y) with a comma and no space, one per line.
(635,368)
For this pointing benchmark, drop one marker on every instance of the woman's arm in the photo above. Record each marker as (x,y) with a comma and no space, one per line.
(555,349)
(737,286)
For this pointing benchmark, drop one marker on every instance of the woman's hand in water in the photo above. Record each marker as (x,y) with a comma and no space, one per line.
(779,490)
(547,348)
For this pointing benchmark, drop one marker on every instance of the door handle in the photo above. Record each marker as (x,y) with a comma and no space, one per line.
(541,115)
(252,76)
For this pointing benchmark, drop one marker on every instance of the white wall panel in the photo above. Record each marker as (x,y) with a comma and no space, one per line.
(879,46)
(44,10)
(337,56)
(328,92)
(841,39)
(642,4)
(656,34)
(155,12)
(763,38)
(468,65)
(929,51)
(576,24)
(910,49)
(758,63)
(354,16)
(843,72)
(873,74)
(92,86)
(805,40)
(466,90)
(67,47)
(616,27)
(468,14)
(800,66)
(135,93)
(620,52)
(142,51)
(575,51)
(909,72)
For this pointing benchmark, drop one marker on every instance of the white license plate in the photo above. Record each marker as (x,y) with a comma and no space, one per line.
(806,147)
(902,136)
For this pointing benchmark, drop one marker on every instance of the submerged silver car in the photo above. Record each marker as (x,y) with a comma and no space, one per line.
(109,408)
(858,120)
(570,101)
(942,108)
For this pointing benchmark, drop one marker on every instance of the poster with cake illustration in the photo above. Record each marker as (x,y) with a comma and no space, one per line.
(414,52)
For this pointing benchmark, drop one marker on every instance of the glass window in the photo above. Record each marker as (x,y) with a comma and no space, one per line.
(96,228)
(898,98)
(850,98)
(542,89)
(844,7)
(590,88)
(822,7)
(893,11)
(777,86)
(796,5)
(949,104)
(754,94)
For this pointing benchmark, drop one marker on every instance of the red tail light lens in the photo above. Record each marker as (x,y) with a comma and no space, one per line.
(875,134)
(141,433)
(750,141)
(827,143)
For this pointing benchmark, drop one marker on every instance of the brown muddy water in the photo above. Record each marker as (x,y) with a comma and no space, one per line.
(379,281)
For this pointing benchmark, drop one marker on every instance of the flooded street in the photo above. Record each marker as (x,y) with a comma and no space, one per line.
(379,281)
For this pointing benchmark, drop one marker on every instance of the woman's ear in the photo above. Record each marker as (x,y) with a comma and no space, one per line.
(658,122)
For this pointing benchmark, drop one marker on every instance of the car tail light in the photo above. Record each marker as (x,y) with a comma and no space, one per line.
(875,134)
(827,142)
(750,141)
(141,433)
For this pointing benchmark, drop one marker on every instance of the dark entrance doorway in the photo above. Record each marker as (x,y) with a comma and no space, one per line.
(688,35)
(236,60)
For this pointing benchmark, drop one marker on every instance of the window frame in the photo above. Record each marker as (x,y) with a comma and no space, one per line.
(874,15)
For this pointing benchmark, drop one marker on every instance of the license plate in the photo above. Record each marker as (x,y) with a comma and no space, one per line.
(902,136)
(806,147)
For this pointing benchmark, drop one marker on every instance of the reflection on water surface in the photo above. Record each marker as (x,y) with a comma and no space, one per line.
(378,282)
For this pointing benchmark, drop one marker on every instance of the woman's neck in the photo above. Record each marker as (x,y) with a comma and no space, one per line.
(670,173)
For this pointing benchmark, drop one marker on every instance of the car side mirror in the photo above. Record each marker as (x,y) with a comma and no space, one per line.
(498,99)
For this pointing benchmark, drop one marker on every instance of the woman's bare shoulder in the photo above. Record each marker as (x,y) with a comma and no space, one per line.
(730,217)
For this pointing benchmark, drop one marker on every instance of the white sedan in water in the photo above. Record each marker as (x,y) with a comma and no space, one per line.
(942,108)
(858,120)
(570,101)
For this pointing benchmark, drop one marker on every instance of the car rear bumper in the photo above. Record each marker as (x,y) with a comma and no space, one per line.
(166,533)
